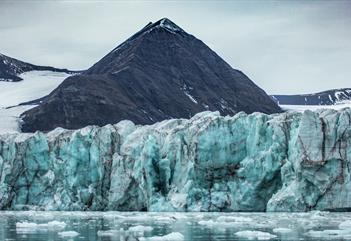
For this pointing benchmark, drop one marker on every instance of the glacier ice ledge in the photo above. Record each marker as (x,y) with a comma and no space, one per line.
(282,162)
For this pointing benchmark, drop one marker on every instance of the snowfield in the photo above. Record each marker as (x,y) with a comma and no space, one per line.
(302,108)
(35,84)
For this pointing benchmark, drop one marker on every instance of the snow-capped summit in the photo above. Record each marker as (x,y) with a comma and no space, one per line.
(169,25)
(160,72)
(11,68)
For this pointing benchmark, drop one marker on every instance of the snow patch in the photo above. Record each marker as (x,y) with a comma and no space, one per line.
(168,25)
(330,98)
(190,97)
(302,108)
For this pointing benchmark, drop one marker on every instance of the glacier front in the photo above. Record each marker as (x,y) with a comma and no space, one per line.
(282,162)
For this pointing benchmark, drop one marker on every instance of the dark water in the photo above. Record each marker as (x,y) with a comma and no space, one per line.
(123,226)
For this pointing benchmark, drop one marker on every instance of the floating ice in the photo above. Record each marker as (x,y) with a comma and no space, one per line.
(140,228)
(255,235)
(330,234)
(345,225)
(111,232)
(227,222)
(234,219)
(49,225)
(175,236)
(282,230)
(69,234)
(26,225)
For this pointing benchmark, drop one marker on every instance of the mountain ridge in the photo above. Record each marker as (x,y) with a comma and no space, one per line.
(11,68)
(161,72)
(327,97)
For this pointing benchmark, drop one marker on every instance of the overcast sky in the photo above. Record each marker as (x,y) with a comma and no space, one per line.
(283,46)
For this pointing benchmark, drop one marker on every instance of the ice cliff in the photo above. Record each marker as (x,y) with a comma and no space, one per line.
(283,162)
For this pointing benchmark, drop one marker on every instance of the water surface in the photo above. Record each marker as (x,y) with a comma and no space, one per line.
(129,226)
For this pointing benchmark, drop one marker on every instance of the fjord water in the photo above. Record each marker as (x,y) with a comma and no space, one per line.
(30,225)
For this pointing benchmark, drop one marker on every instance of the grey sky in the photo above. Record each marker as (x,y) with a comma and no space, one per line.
(283,46)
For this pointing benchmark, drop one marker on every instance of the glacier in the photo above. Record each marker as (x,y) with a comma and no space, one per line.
(282,162)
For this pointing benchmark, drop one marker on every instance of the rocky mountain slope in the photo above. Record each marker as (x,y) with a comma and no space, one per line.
(10,68)
(286,162)
(159,73)
(329,97)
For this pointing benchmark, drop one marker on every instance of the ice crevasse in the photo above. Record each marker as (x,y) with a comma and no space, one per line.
(282,162)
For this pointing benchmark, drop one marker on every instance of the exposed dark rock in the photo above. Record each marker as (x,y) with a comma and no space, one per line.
(161,72)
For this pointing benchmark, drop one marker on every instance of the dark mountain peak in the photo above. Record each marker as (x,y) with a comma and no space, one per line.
(154,39)
(160,72)
(163,23)
(169,25)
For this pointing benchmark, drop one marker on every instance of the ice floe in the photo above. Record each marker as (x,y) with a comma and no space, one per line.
(31,227)
(249,234)
(140,228)
(69,234)
(111,232)
(282,230)
(345,225)
(175,236)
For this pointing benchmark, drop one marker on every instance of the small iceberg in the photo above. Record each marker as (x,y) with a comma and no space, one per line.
(68,234)
(249,234)
(106,233)
(282,230)
(175,236)
(30,227)
(140,229)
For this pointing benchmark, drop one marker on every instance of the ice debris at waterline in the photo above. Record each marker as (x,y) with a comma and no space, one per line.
(282,162)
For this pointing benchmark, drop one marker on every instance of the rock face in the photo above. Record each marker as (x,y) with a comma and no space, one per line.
(329,97)
(282,162)
(11,68)
(159,73)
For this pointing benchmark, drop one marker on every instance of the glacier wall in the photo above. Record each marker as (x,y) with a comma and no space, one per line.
(283,162)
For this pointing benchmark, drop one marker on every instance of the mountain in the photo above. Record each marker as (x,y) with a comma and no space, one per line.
(159,73)
(11,68)
(329,97)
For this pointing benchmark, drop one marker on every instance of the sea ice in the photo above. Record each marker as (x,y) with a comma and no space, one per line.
(110,232)
(68,234)
(51,225)
(140,228)
(282,230)
(249,234)
(329,233)
(345,225)
(175,236)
